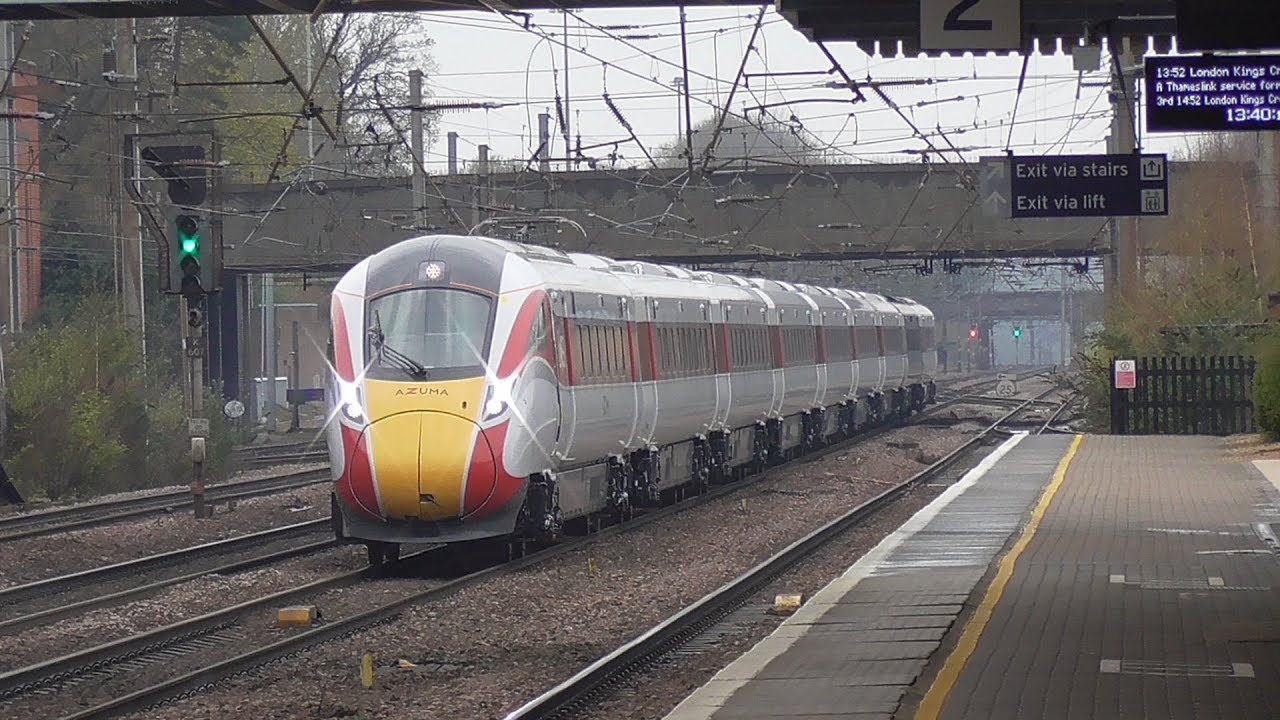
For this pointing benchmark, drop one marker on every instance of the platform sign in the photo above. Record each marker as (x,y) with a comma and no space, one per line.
(1053,186)
(993,186)
(971,25)
(1215,26)
(1236,92)
(1126,374)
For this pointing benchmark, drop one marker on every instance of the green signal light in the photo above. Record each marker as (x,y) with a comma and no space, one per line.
(1017,332)
(188,240)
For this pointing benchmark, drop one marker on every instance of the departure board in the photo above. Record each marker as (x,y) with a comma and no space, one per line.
(1222,92)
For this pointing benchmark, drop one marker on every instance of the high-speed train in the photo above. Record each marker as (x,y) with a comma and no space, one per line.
(483,388)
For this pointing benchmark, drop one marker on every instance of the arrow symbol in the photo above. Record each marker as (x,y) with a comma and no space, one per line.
(996,199)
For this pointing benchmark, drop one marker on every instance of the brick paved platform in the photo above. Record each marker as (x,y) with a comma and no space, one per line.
(1148,591)
(1148,587)
(855,648)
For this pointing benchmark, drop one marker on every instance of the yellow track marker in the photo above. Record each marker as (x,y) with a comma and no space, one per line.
(931,706)
(366,670)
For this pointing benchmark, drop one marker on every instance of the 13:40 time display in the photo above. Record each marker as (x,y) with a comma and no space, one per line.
(1247,115)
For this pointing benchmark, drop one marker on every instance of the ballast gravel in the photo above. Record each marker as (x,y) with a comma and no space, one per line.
(488,649)
(170,605)
(37,558)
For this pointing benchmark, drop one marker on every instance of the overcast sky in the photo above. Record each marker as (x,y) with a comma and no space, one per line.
(484,57)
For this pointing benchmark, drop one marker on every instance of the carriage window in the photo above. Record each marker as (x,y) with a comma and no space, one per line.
(428,328)
(538,333)
(913,340)
(868,345)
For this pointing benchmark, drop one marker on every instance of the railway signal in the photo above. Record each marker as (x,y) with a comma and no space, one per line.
(192,270)
(1017,332)
(193,260)
(973,333)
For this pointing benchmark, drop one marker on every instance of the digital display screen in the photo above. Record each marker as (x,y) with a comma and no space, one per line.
(1213,93)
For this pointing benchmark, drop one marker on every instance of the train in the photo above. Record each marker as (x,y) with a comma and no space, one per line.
(483,388)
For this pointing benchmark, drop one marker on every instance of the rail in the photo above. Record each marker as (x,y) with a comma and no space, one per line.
(78,517)
(54,586)
(566,697)
(50,672)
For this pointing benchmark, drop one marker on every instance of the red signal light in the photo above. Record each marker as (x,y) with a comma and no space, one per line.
(973,333)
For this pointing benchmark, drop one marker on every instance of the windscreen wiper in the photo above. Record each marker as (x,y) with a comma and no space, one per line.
(404,362)
(396,358)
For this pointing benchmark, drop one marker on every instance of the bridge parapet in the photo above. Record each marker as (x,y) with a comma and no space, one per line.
(757,213)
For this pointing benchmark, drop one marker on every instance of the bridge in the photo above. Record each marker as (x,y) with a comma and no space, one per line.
(815,213)
(1026,305)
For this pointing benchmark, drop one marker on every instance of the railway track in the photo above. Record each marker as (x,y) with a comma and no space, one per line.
(213,646)
(44,601)
(50,522)
(289,453)
(577,694)
(77,517)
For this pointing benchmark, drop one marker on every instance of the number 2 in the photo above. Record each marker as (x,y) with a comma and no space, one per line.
(953,23)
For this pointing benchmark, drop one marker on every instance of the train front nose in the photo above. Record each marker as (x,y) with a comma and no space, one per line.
(431,465)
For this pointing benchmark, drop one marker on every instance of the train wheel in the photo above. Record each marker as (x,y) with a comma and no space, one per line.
(382,552)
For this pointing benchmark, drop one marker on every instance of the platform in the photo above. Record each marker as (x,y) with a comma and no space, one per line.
(1096,577)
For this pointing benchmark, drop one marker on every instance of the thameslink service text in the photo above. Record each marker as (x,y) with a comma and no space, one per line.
(1217,86)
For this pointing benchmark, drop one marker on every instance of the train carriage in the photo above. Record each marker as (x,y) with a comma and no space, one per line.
(487,389)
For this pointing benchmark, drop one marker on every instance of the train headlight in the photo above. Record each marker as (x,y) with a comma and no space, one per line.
(497,399)
(349,401)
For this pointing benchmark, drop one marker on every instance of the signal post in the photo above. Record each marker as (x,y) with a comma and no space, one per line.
(190,266)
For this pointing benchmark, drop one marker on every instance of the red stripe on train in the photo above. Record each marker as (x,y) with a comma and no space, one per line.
(518,350)
(486,462)
(355,487)
(343,362)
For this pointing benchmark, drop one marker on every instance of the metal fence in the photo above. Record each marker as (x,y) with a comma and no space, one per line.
(1187,396)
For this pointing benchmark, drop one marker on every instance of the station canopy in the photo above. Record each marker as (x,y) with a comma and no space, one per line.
(884,27)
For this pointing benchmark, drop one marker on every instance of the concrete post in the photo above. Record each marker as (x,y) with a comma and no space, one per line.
(1121,269)
(481,191)
(416,143)
(544,142)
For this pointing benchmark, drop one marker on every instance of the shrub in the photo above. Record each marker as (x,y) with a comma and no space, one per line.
(1266,388)
(85,419)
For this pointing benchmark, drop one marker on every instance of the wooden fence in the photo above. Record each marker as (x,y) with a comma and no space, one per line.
(1186,396)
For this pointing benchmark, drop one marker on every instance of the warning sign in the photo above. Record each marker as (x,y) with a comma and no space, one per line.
(1126,374)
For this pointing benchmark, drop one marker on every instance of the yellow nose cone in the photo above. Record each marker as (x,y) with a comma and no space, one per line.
(426,461)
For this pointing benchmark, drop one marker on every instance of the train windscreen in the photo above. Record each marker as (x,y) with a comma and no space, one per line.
(429,333)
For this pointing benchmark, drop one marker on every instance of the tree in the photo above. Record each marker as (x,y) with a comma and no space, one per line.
(741,143)
(185,66)
(1209,264)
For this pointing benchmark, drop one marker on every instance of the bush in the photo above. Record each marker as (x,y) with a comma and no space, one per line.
(85,419)
(1202,294)
(1266,388)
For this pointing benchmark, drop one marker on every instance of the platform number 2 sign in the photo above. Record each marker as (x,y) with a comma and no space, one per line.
(971,25)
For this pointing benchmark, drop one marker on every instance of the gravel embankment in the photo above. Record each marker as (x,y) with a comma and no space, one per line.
(654,693)
(36,558)
(170,605)
(489,648)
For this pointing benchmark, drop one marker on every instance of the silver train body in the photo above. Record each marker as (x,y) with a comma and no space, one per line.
(592,386)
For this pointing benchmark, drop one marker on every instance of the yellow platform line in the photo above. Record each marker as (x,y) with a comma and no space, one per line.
(931,706)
